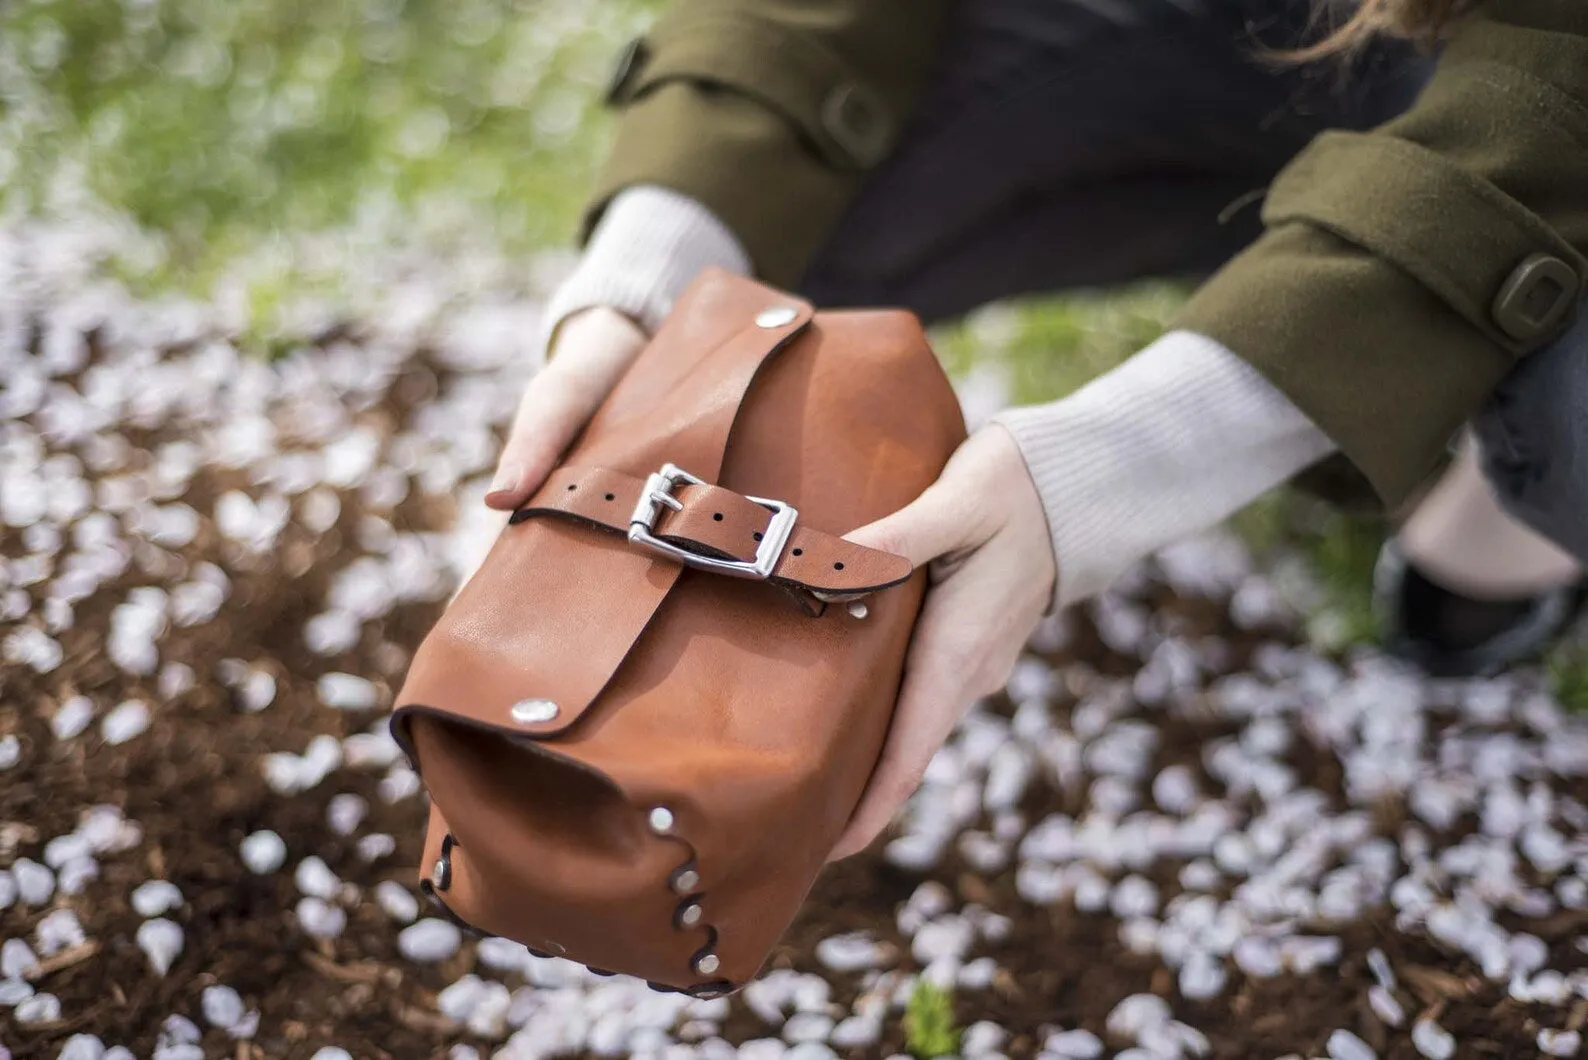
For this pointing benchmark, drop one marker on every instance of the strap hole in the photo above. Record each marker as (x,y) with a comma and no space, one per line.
(799,552)
(756,535)
(612,496)
(838,566)
(572,486)
(717,516)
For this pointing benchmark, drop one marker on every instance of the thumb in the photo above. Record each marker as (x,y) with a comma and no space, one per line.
(549,416)
(559,401)
(936,523)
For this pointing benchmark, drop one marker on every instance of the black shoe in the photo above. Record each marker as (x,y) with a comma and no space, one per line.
(1450,635)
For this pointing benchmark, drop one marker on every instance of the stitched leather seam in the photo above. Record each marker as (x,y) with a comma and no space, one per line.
(695,895)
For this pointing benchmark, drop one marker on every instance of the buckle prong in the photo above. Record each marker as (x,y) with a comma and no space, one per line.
(658,492)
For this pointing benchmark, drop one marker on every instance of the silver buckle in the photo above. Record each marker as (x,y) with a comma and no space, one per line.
(659,492)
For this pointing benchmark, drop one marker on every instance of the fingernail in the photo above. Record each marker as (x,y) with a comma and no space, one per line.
(508,476)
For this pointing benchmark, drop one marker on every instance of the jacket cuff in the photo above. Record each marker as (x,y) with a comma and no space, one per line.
(725,151)
(1366,352)
(1405,270)
(1170,443)
(649,246)
(768,112)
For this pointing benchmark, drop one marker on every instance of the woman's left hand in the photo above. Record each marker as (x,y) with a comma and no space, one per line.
(982,529)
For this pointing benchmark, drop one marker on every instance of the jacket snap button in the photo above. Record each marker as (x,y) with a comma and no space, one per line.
(708,964)
(661,820)
(857,120)
(534,711)
(775,317)
(1537,298)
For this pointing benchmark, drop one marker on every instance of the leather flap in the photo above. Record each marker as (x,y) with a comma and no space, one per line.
(557,605)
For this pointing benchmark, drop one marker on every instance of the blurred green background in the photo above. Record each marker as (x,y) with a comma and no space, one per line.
(238,139)
(218,122)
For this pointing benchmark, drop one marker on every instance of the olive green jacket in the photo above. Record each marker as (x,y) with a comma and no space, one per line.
(1402,272)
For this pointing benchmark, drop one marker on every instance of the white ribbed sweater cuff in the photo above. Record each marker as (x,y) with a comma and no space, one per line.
(650,244)
(1171,442)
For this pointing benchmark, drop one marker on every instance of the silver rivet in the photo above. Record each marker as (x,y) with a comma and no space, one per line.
(858,610)
(690,915)
(534,711)
(775,317)
(661,820)
(708,964)
(556,947)
(686,882)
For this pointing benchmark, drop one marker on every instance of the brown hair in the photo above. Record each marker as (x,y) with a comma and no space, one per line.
(1419,20)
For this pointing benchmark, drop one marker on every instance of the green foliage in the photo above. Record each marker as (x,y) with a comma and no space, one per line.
(1568,673)
(1336,550)
(1047,347)
(929,1022)
(217,123)
(1343,552)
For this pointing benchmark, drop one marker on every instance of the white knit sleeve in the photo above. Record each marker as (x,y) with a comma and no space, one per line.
(1171,442)
(649,245)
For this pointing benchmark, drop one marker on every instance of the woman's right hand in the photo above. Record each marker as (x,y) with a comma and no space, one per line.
(588,354)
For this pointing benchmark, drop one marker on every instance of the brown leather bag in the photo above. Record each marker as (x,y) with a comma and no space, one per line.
(641,726)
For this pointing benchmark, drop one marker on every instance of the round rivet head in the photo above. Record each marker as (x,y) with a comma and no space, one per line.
(775,317)
(685,881)
(858,610)
(707,964)
(661,820)
(690,915)
(534,711)
(441,874)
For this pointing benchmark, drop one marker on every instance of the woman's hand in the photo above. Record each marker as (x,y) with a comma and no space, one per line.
(982,528)
(589,354)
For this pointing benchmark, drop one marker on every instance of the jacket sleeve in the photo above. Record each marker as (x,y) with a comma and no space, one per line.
(1405,270)
(768,112)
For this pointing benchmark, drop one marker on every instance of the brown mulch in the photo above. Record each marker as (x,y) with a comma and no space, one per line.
(193,783)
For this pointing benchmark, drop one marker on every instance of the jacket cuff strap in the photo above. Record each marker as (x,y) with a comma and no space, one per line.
(835,110)
(1490,259)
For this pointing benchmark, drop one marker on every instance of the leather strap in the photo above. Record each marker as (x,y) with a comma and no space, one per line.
(717,522)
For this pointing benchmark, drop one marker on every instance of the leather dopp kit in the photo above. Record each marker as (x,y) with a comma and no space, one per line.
(648,716)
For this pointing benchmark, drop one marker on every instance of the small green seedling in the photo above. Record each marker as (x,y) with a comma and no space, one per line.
(929,1023)
(1568,672)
